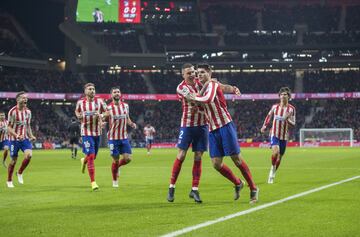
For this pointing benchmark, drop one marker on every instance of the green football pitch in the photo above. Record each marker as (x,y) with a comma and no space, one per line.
(109,8)
(56,199)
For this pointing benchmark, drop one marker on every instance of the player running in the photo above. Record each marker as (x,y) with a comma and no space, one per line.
(89,110)
(149,132)
(117,115)
(20,135)
(222,137)
(284,117)
(4,139)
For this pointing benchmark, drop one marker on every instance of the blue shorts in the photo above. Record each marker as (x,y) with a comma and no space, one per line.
(224,141)
(15,146)
(197,136)
(4,144)
(274,141)
(119,147)
(149,141)
(90,144)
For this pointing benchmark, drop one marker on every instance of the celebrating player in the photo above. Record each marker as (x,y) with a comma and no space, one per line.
(149,132)
(222,137)
(89,111)
(193,130)
(118,116)
(284,116)
(4,142)
(20,135)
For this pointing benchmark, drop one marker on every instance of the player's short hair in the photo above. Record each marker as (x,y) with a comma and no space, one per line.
(286,90)
(186,65)
(2,111)
(20,94)
(114,88)
(205,66)
(88,84)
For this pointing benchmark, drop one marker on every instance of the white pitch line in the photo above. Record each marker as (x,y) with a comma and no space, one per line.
(241,213)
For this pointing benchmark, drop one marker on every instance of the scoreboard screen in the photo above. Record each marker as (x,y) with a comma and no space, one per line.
(98,11)
(129,11)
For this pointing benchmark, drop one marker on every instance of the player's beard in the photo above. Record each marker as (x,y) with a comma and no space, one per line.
(116,99)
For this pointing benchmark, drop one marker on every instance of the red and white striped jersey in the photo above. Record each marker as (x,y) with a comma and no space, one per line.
(280,124)
(192,112)
(90,123)
(149,132)
(118,117)
(215,106)
(19,121)
(3,130)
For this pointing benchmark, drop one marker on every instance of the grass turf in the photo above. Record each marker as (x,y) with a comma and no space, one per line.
(56,199)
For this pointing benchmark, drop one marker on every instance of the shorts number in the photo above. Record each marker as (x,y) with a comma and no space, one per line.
(12,148)
(87,144)
(181,134)
(111,146)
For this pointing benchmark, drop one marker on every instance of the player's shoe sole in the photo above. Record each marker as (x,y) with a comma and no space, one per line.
(20,178)
(171,195)
(9,184)
(115,184)
(195,195)
(254,196)
(237,190)
(94,186)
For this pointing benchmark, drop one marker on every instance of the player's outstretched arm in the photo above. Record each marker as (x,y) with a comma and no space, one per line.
(267,120)
(228,89)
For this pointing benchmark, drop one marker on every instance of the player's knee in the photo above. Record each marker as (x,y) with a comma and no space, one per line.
(197,155)
(181,155)
(217,165)
(127,159)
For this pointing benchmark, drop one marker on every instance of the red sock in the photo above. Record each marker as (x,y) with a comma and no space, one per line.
(91,167)
(196,172)
(10,171)
(175,171)
(273,159)
(245,171)
(23,166)
(5,155)
(122,162)
(227,173)
(114,169)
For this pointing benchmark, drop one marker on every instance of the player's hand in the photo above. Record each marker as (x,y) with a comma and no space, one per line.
(19,137)
(79,116)
(262,130)
(190,96)
(236,91)
(287,115)
(32,138)
(194,109)
(133,125)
